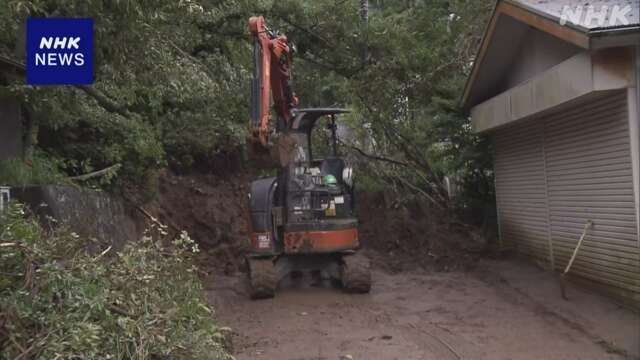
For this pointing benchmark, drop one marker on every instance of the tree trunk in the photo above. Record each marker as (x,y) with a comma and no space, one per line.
(364,11)
(31,130)
(364,16)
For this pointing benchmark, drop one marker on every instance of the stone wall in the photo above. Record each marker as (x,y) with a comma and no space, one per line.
(89,213)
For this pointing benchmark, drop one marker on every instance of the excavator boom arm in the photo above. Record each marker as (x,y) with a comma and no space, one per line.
(271,76)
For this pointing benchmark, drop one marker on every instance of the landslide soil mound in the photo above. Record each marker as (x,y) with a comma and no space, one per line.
(413,233)
(212,209)
(398,236)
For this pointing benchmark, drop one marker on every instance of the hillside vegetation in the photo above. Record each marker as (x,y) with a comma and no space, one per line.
(172,86)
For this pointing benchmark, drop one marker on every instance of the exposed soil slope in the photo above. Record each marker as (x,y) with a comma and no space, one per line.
(213,208)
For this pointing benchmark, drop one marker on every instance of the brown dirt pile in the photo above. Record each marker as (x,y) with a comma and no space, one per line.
(212,209)
(398,235)
(413,234)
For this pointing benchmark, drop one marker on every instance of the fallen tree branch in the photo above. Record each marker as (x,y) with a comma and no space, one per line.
(374,157)
(36,342)
(422,192)
(415,188)
(400,142)
(404,164)
(154,220)
(103,100)
(96,173)
(116,309)
(102,253)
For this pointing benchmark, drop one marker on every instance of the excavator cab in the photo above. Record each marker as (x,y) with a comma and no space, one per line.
(318,197)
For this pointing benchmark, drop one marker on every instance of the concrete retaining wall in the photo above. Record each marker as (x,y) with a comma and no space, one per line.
(89,213)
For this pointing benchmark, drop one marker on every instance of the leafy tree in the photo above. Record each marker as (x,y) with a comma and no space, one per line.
(405,92)
(159,94)
(172,84)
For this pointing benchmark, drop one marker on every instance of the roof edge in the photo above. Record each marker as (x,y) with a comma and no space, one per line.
(547,16)
(542,21)
(8,61)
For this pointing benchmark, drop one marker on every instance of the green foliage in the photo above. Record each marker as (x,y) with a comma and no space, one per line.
(40,170)
(403,74)
(172,83)
(167,86)
(58,301)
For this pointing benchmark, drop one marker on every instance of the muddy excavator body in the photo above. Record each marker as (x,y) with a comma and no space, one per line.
(302,219)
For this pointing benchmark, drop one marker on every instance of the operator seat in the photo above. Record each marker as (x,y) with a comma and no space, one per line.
(332,166)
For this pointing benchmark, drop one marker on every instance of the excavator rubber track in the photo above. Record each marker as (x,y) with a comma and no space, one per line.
(263,278)
(355,274)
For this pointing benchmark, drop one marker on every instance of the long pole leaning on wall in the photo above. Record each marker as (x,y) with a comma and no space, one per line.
(563,289)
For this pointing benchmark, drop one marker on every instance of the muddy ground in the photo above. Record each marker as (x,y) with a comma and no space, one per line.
(499,310)
(437,294)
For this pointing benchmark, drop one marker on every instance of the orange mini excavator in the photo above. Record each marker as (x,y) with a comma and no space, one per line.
(302,219)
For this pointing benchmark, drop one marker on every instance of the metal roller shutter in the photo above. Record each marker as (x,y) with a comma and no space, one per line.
(589,176)
(555,173)
(521,189)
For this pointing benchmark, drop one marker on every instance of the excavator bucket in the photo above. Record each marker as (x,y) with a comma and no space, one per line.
(276,154)
(259,155)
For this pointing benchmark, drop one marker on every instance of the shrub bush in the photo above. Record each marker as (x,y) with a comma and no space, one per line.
(38,171)
(57,301)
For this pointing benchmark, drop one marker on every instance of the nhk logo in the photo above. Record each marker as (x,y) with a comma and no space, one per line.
(59,51)
(598,16)
(62,59)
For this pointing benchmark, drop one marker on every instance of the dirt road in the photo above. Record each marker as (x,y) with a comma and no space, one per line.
(500,310)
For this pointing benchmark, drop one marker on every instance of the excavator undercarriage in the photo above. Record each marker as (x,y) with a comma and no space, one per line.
(349,269)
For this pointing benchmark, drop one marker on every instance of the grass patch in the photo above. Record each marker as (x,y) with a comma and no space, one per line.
(38,171)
